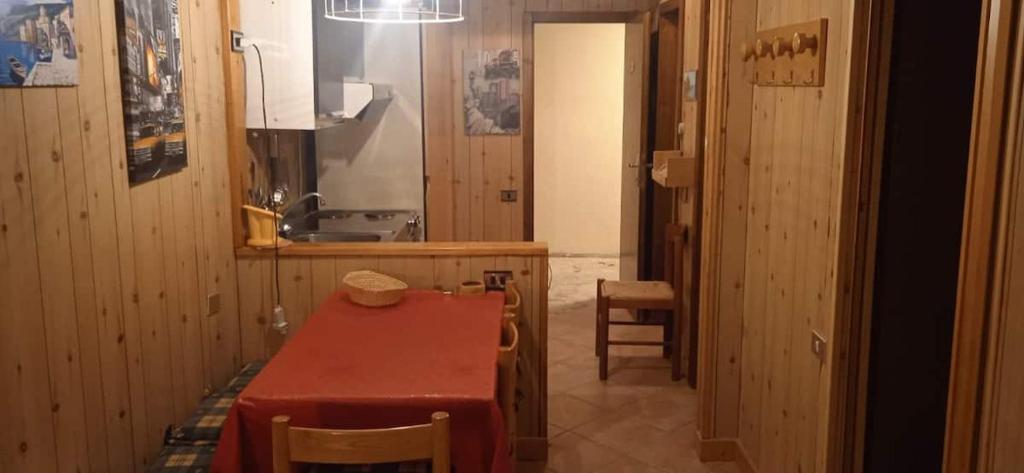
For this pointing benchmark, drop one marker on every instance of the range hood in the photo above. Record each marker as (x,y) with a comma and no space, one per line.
(356,97)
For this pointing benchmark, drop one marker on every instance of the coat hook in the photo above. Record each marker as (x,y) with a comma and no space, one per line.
(810,80)
(782,46)
(802,42)
(746,51)
(762,48)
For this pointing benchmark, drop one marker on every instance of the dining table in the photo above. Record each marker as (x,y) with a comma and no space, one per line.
(355,367)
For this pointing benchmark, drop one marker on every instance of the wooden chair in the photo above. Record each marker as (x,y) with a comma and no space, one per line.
(361,447)
(508,355)
(513,300)
(646,295)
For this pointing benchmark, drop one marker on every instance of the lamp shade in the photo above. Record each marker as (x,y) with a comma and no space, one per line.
(394,11)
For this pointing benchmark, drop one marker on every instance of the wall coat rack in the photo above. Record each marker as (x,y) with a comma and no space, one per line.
(789,56)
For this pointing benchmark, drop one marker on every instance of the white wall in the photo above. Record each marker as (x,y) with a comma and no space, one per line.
(579,70)
(378,163)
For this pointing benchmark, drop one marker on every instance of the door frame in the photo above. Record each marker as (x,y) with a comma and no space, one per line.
(983,254)
(529,20)
(982,244)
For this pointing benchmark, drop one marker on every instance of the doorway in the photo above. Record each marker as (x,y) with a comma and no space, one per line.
(920,220)
(629,421)
(579,84)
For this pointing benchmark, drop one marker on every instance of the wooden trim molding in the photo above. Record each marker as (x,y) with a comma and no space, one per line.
(724,450)
(403,249)
(234,103)
(729,97)
(529,20)
(532,448)
(716,450)
(868,95)
(982,250)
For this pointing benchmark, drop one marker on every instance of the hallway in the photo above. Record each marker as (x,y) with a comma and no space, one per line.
(639,420)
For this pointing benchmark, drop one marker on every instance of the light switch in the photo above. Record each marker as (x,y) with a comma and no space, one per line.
(818,345)
(509,196)
(213,303)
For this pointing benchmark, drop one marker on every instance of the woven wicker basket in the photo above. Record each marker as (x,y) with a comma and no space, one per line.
(371,289)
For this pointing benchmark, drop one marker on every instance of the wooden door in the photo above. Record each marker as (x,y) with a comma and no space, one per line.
(664,134)
(634,141)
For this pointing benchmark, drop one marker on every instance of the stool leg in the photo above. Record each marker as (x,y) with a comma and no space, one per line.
(677,355)
(666,335)
(603,338)
(597,319)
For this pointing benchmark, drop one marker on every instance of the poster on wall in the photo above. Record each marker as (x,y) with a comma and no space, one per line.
(37,43)
(491,93)
(149,38)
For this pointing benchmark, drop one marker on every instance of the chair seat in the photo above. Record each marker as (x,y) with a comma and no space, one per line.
(638,291)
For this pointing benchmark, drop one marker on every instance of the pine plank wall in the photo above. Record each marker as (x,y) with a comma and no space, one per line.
(107,336)
(465,174)
(797,149)
(777,158)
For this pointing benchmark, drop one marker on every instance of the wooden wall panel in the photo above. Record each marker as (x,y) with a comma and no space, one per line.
(465,174)
(726,180)
(775,181)
(306,281)
(108,335)
(985,420)
(1002,431)
(797,158)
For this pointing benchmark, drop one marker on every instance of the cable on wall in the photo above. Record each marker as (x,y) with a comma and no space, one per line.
(280,323)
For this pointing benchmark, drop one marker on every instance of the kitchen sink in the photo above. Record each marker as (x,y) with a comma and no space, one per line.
(320,237)
(341,225)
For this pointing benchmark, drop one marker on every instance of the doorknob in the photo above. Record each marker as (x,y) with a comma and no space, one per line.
(637,165)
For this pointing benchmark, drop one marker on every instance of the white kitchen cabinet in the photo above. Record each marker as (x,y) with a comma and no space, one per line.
(283,32)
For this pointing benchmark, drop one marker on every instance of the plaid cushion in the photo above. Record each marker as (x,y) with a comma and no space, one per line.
(203,427)
(244,377)
(405,467)
(183,459)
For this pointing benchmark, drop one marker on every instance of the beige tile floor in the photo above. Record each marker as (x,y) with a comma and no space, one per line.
(638,421)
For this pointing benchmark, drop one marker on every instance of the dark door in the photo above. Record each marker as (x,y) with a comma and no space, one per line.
(663,132)
(634,145)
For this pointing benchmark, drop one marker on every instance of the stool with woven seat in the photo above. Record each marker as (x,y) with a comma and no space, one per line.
(646,295)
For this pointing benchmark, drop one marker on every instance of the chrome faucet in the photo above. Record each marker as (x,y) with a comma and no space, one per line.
(293,205)
(287,210)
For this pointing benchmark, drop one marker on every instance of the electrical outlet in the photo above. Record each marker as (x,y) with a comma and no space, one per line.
(818,345)
(213,304)
(236,41)
(509,195)
(495,280)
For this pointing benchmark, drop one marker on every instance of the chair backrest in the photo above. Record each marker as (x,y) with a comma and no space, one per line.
(508,354)
(675,241)
(513,299)
(357,447)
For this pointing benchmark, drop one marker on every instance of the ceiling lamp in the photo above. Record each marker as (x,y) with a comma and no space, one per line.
(394,11)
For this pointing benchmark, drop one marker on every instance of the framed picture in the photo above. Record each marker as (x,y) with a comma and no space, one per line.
(149,39)
(491,93)
(37,43)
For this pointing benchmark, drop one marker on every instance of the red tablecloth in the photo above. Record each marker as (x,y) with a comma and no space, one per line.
(352,367)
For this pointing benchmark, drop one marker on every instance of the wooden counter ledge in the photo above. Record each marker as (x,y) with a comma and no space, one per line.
(459,248)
